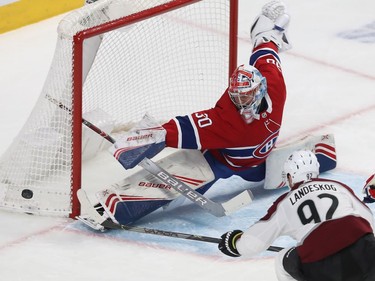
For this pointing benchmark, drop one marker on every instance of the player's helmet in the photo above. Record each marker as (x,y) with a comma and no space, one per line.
(301,165)
(247,87)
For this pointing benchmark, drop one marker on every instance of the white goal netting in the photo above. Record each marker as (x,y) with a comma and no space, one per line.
(165,64)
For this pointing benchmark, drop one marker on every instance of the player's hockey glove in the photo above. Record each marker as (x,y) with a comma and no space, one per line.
(228,243)
(271,25)
(369,190)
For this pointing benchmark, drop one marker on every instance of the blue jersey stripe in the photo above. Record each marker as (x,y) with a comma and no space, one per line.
(262,52)
(187,131)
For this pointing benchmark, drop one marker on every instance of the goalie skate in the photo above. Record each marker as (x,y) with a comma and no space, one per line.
(89,215)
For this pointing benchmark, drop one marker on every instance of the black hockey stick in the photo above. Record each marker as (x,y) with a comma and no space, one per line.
(111,225)
(84,121)
(216,209)
(98,222)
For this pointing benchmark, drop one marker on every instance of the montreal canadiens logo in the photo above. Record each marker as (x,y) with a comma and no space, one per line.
(266,146)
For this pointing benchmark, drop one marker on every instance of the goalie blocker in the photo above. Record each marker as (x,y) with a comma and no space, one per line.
(142,193)
(146,139)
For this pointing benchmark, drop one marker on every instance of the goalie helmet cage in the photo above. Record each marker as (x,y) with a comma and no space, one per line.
(114,61)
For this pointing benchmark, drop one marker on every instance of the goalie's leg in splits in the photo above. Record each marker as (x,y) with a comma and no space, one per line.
(142,193)
(253,174)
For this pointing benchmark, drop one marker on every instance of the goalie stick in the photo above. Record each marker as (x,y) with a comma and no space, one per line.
(98,222)
(216,209)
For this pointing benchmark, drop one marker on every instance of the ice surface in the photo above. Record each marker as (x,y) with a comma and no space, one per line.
(330,77)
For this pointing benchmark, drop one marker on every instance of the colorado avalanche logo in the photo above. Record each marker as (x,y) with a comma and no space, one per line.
(266,146)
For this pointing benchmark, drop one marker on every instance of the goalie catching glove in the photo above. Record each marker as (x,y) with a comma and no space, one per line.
(146,139)
(271,25)
(228,243)
(369,190)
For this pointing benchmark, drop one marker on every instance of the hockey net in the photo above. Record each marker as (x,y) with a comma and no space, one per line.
(115,60)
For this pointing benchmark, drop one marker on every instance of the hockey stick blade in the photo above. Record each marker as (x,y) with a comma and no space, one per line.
(238,201)
(95,220)
(216,209)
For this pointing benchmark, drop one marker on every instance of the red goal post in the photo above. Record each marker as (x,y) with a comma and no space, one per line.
(114,61)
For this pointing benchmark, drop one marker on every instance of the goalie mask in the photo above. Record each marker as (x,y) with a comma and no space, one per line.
(302,166)
(247,87)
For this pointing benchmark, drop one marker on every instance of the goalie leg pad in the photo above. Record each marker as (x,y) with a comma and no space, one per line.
(142,193)
(127,212)
(322,145)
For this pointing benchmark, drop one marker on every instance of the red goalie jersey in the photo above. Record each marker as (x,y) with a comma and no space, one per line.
(222,130)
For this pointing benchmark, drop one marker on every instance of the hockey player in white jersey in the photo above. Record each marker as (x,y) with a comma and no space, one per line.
(333,228)
(369,190)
